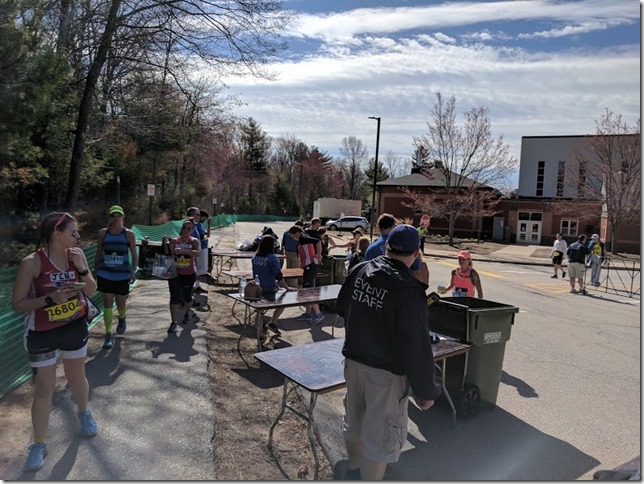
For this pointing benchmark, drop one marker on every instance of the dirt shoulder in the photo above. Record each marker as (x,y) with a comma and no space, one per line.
(246,399)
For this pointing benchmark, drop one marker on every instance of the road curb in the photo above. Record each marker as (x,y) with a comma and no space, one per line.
(517,261)
(498,261)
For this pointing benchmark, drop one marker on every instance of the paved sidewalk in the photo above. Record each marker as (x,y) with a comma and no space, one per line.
(150,396)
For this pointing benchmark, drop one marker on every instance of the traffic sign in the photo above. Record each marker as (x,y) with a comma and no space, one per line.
(424,221)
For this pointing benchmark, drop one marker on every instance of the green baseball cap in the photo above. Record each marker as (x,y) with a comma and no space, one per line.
(116,209)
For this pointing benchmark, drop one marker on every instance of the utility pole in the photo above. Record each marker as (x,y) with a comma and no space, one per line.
(375,178)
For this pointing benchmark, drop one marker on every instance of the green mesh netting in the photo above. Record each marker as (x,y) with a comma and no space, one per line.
(171,229)
(13,357)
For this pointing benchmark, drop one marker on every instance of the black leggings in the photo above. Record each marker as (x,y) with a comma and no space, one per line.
(181,288)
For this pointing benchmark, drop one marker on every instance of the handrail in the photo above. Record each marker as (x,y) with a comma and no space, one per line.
(621,281)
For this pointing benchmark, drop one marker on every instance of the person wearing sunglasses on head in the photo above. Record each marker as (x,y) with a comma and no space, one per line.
(51,287)
(185,250)
(464,279)
(114,271)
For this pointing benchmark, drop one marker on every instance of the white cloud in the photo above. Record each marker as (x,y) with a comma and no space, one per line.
(444,38)
(338,27)
(583,28)
(485,36)
(368,69)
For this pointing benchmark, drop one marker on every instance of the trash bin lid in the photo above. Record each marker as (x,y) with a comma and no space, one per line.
(477,304)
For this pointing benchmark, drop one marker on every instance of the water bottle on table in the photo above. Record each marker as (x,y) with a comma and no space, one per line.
(242,285)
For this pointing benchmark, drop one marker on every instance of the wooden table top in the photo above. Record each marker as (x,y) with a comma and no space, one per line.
(237,254)
(301,297)
(294,272)
(317,367)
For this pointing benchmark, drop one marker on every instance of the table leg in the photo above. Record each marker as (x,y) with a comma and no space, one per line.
(449,399)
(308,417)
(280,415)
(230,261)
(335,320)
(244,323)
(218,266)
(259,320)
(313,400)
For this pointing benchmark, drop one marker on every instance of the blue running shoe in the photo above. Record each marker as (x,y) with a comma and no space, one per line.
(109,341)
(36,458)
(120,328)
(87,424)
(304,317)
(317,318)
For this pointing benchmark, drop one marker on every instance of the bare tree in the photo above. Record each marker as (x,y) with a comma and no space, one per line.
(396,165)
(355,154)
(613,155)
(233,37)
(287,155)
(466,159)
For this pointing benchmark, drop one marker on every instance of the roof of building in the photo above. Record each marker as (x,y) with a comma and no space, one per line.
(436,179)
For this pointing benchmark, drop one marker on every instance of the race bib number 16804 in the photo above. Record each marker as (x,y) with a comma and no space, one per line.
(63,311)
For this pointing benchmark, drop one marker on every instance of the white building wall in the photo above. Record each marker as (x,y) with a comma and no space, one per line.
(551,150)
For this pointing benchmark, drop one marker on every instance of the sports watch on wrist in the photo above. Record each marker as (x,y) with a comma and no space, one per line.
(49,301)
(84,273)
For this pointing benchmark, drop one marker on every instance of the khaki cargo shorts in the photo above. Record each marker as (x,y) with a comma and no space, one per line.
(576,270)
(375,411)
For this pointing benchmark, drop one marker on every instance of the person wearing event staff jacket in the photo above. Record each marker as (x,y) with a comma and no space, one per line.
(387,353)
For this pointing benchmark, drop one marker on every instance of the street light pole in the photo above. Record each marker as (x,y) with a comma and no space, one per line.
(301,198)
(375,178)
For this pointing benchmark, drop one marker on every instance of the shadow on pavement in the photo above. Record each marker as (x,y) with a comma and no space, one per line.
(103,369)
(65,464)
(522,387)
(179,344)
(494,445)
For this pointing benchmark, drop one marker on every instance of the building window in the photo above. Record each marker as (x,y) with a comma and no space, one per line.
(541,170)
(581,186)
(569,227)
(560,178)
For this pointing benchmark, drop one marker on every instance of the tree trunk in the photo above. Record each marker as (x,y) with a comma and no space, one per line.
(85,109)
(615,228)
(450,233)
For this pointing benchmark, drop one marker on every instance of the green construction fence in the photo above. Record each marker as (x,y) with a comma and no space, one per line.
(13,357)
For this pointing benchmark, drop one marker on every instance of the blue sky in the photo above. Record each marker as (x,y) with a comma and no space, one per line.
(541,67)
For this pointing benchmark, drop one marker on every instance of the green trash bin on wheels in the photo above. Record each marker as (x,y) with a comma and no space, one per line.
(473,378)
(334,266)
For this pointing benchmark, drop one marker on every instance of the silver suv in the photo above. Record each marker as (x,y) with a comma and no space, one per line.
(348,223)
